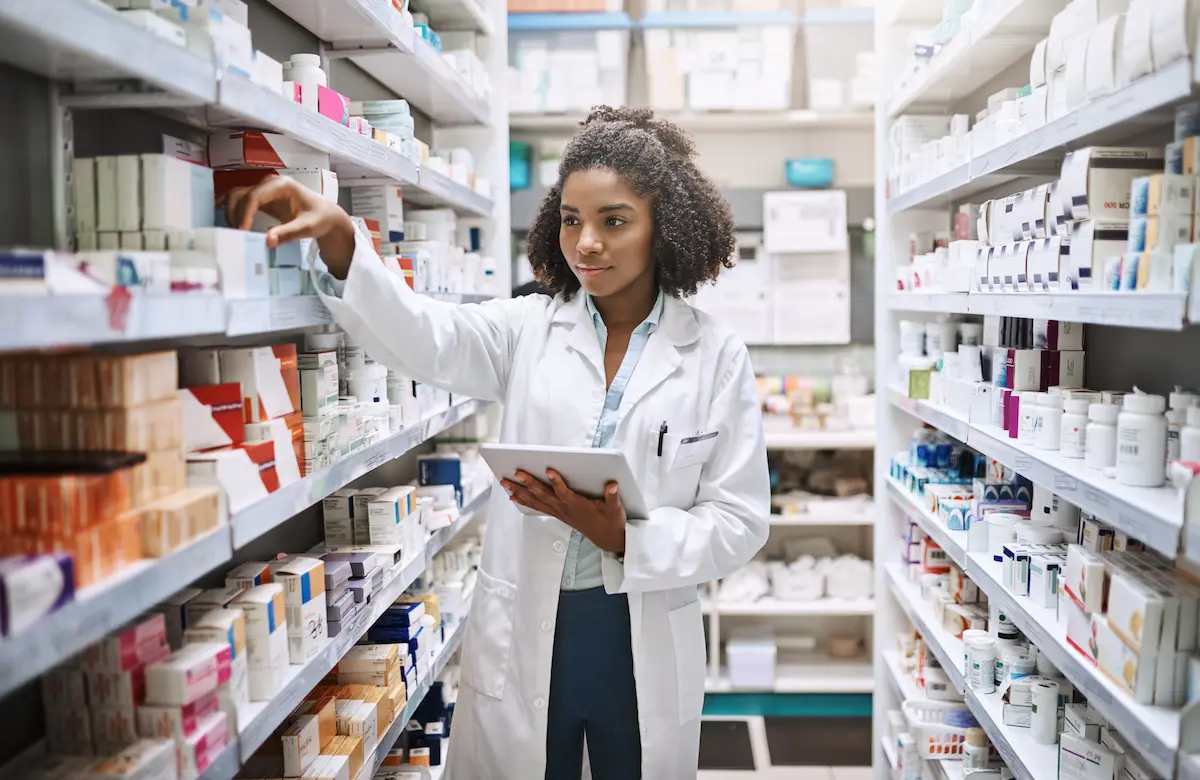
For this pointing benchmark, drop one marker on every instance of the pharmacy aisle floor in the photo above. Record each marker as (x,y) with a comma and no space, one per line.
(785,747)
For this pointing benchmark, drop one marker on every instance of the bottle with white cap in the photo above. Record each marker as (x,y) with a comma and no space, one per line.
(1073,433)
(1179,401)
(1101,446)
(1142,441)
(1189,436)
(1049,421)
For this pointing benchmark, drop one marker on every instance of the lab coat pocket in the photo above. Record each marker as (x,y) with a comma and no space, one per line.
(675,487)
(490,631)
(687,635)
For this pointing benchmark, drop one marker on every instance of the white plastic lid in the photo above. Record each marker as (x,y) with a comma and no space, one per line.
(1076,406)
(1183,399)
(1104,413)
(1144,403)
(311,60)
(1193,416)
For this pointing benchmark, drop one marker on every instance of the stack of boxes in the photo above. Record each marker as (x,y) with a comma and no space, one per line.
(406,622)
(105,435)
(389,122)
(226,625)
(91,703)
(182,691)
(303,581)
(267,638)
(319,382)
(271,454)
(389,517)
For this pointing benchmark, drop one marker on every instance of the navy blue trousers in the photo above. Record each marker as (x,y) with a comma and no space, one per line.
(592,690)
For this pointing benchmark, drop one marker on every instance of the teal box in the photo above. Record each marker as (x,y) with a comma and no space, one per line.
(809,172)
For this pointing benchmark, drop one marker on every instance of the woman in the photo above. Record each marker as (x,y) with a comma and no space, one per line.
(585,623)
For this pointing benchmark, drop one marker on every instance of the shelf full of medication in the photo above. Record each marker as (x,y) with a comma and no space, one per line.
(1090,598)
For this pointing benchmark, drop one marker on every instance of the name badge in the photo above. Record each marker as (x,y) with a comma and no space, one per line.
(694,450)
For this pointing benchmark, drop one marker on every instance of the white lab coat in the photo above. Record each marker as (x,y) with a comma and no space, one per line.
(541,358)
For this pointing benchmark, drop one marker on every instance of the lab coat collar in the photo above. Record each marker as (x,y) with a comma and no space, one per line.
(661,358)
(678,324)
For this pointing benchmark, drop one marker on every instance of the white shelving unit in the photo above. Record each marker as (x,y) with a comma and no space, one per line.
(95,61)
(983,57)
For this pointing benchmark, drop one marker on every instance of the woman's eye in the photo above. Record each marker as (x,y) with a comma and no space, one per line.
(614,222)
(570,221)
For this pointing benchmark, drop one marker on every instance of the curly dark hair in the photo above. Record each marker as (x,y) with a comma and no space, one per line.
(693,225)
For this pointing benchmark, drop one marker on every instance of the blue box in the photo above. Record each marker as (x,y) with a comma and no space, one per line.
(809,172)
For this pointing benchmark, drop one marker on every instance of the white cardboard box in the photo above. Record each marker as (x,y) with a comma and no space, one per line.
(1096,181)
(303,581)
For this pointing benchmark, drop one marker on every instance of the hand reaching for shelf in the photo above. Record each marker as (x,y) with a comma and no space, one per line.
(304,214)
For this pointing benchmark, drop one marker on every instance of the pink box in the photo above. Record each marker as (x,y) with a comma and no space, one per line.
(177,723)
(294,91)
(334,105)
(188,674)
(128,648)
(202,748)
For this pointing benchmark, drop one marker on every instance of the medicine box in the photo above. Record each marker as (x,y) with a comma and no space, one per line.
(1132,671)
(1084,579)
(1096,182)
(240,257)
(199,750)
(220,625)
(1136,613)
(385,205)
(337,511)
(176,723)
(301,744)
(266,638)
(187,674)
(212,416)
(252,149)
(362,526)
(387,514)
(248,575)
(1082,759)
(269,378)
(176,194)
(303,581)
(213,598)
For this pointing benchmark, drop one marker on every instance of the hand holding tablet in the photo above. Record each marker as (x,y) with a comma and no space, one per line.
(585,470)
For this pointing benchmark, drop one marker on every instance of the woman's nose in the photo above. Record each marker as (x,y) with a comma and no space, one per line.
(589,244)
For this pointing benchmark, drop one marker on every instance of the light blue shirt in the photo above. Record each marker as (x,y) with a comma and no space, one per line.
(583,567)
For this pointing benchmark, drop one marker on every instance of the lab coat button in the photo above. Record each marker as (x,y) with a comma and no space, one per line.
(540,703)
(547,626)
(560,546)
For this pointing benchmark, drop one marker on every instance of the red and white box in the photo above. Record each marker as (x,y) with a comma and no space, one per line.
(188,674)
(128,648)
(244,474)
(199,750)
(277,433)
(128,688)
(270,380)
(212,416)
(253,149)
(176,723)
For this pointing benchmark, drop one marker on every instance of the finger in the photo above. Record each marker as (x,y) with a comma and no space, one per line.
(303,226)
(534,485)
(560,487)
(232,200)
(612,500)
(525,498)
(270,190)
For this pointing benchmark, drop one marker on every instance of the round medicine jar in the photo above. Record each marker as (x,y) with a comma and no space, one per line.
(1049,415)
(1142,441)
(1189,437)
(1073,434)
(1027,415)
(976,751)
(1179,401)
(1101,447)
(305,69)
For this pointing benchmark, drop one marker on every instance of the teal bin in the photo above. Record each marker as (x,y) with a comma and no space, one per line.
(809,172)
(520,165)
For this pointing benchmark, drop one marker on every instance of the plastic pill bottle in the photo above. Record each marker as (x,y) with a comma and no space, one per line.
(1027,413)
(1180,401)
(1101,446)
(971,333)
(981,654)
(1049,429)
(976,750)
(1142,441)
(1189,437)
(1073,429)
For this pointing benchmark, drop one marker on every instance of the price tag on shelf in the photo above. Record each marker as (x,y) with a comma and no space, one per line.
(375,461)
(1063,482)
(1096,497)
(1022,463)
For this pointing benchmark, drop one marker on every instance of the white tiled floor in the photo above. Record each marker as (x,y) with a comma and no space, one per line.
(794,773)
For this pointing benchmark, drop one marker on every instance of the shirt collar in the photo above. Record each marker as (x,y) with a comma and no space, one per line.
(650,323)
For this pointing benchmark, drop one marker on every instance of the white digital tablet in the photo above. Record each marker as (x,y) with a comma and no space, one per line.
(585,469)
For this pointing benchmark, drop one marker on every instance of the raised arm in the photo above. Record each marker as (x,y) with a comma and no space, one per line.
(465,349)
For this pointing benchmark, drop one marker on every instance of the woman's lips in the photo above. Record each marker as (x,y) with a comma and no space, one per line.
(589,272)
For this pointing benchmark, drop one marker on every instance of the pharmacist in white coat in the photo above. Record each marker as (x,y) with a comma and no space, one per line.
(585,623)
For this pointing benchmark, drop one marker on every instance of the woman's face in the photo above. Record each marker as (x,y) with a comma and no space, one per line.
(605,232)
